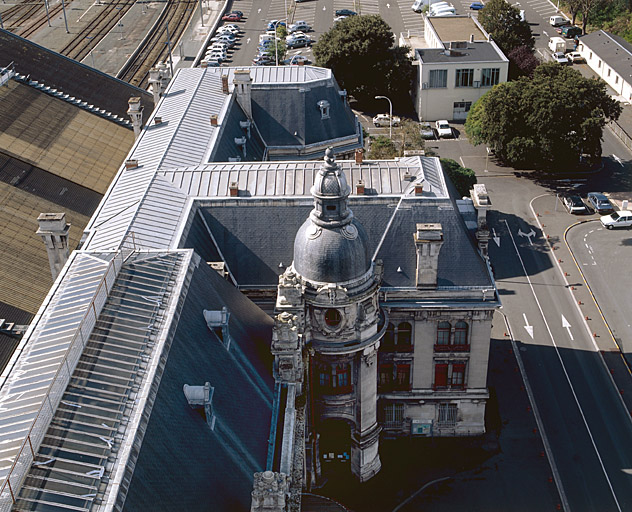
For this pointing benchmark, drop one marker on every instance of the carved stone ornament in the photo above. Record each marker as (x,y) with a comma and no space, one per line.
(331,293)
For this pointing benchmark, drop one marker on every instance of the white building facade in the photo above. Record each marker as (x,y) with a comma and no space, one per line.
(457,66)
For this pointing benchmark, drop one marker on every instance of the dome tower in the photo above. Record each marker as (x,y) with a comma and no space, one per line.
(340,311)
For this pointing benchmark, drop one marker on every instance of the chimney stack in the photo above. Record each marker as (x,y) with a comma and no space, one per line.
(243,86)
(419,189)
(471,38)
(481,201)
(213,119)
(428,242)
(359,155)
(270,492)
(135,112)
(360,188)
(156,85)
(225,84)
(234,189)
(54,231)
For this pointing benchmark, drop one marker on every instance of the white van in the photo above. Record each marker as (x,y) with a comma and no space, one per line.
(448,12)
(419,5)
(556,21)
(438,5)
(557,44)
(435,11)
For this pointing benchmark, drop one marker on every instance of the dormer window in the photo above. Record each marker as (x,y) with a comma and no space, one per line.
(323,105)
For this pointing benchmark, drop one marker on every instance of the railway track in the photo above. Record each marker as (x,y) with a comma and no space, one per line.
(172,21)
(21,18)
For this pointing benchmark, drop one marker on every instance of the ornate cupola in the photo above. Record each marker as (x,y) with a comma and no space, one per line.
(331,246)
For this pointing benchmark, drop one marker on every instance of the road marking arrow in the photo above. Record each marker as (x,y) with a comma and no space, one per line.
(496,237)
(258,10)
(528,327)
(248,41)
(388,6)
(567,326)
(528,235)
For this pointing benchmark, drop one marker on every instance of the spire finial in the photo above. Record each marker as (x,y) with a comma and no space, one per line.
(330,160)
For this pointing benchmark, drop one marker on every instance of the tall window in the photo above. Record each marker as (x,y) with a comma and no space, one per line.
(443,333)
(460,333)
(490,76)
(438,78)
(449,340)
(464,78)
(393,415)
(398,339)
(394,377)
(335,380)
(447,414)
(450,374)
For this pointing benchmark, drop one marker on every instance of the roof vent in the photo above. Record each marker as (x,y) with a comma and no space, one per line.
(225,84)
(131,163)
(471,38)
(201,397)
(157,120)
(343,93)
(217,322)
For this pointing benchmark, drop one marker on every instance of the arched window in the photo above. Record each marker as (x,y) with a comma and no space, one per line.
(460,333)
(388,342)
(443,333)
(404,335)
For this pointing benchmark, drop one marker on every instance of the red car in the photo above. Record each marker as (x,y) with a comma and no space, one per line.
(231,17)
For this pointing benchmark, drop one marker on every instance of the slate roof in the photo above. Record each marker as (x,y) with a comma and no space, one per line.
(614,50)
(70,76)
(220,462)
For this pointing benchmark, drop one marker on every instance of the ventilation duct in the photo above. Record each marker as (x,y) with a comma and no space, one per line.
(201,398)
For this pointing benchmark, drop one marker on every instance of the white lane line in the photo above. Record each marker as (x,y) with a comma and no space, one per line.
(568,379)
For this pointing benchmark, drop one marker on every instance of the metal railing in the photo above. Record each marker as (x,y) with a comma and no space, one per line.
(26,455)
(621,133)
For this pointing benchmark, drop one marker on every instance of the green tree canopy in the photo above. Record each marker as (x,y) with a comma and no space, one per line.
(502,21)
(359,50)
(546,121)
(382,148)
(463,178)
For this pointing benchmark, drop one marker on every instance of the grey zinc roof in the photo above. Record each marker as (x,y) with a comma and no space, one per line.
(478,51)
(614,50)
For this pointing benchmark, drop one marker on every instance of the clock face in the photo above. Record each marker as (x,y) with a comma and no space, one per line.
(332,317)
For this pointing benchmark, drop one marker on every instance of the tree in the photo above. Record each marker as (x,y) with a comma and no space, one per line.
(522,62)
(502,21)
(410,135)
(463,178)
(382,148)
(547,121)
(359,50)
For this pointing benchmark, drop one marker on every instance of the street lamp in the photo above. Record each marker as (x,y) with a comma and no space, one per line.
(276,49)
(390,115)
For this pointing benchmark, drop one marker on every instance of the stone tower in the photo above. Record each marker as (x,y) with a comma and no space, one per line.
(332,291)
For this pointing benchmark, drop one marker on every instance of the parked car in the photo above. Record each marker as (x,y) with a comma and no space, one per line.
(599,202)
(575,57)
(384,120)
(239,13)
(557,20)
(211,63)
(299,26)
(231,17)
(217,55)
(560,58)
(219,45)
(298,42)
(443,128)
(418,5)
(620,219)
(574,204)
(570,32)
(228,29)
(297,60)
(476,6)
(345,12)
(426,131)
(272,25)
(559,28)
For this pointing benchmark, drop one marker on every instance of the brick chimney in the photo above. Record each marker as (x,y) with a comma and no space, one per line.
(213,119)
(428,242)
(360,188)
(54,231)
(359,155)
(243,88)
(233,189)
(225,84)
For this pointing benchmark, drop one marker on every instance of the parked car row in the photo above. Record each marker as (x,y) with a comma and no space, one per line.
(597,202)
(224,40)
(268,42)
